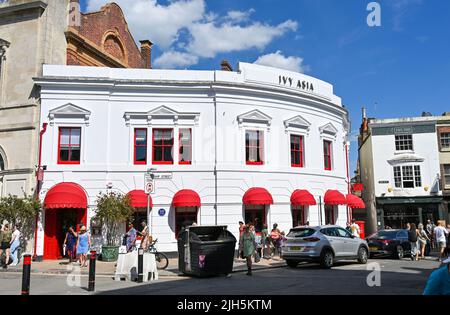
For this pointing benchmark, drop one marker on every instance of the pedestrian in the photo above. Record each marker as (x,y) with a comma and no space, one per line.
(83,245)
(349,227)
(439,281)
(422,238)
(257,237)
(307,223)
(430,231)
(247,247)
(408,226)
(275,236)
(15,244)
(412,238)
(355,230)
(131,237)
(5,244)
(145,236)
(264,241)
(440,237)
(70,242)
(241,231)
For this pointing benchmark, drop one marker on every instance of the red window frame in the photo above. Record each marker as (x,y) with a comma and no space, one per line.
(259,147)
(162,146)
(140,145)
(296,211)
(188,145)
(70,145)
(327,146)
(299,151)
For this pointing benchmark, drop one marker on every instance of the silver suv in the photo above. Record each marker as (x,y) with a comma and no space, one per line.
(323,244)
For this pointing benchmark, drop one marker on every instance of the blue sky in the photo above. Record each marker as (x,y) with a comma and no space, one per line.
(398,69)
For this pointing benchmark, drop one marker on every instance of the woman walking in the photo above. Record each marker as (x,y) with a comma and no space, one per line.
(5,243)
(71,243)
(248,248)
(422,239)
(83,245)
(412,238)
(15,244)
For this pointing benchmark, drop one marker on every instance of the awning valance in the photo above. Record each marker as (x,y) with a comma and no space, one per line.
(334,198)
(186,198)
(302,198)
(355,202)
(257,196)
(138,199)
(66,195)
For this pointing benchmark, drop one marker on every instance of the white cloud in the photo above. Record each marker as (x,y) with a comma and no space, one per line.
(187,32)
(175,59)
(278,60)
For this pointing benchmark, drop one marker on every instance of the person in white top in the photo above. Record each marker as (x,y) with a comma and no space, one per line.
(15,244)
(440,237)
(355,229)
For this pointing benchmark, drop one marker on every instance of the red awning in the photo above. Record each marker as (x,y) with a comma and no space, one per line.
(66,195)
(186,198)
(138,199)
(302,198)
(334,198)
(257,196)
(355,202)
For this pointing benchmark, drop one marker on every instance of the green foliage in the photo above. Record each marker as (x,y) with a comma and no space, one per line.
(20,211)
(113,209)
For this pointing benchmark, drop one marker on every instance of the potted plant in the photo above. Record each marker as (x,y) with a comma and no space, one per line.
(113,210)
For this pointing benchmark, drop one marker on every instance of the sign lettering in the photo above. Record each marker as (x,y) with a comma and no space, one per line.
(300,84)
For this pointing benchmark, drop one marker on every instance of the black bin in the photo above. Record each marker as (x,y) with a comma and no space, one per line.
(205,251)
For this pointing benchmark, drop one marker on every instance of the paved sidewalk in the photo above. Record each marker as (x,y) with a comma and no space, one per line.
(108,268)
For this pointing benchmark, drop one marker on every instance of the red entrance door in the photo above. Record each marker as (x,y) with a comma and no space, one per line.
(57,221)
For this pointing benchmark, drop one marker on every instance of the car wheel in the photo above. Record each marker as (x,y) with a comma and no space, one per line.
(399,252)
(362,255)
(327,259)
(292,263)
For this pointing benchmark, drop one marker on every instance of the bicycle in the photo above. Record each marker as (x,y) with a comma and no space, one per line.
(161,259)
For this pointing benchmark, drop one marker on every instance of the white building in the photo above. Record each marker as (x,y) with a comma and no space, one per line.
(212,136)
(400,170)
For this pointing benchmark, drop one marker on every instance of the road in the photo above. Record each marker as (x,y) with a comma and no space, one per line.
(403,277)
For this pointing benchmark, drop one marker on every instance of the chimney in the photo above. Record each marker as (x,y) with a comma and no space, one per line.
(146,53)
(74,13)
(225,66)
(365,124)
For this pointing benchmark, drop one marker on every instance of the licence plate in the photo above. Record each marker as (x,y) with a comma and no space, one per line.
(297,248)
(373,248)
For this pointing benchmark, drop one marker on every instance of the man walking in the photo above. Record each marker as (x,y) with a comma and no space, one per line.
(440,237)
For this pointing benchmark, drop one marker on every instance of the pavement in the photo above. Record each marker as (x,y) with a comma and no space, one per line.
(62,267)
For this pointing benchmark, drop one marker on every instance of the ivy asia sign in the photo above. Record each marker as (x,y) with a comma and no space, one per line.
(299,84)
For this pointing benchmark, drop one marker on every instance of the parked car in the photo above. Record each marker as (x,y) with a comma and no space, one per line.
(324,245)
(392,243)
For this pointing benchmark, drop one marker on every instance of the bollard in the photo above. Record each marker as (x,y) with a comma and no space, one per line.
(91,284)
(26,275)
(140,265)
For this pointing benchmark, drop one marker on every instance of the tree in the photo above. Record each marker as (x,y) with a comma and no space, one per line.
(113,209)
(20,211)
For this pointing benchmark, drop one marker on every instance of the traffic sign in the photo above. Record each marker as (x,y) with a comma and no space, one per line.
(149,186)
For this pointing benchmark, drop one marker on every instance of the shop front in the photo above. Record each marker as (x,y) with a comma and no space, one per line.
(396,212)
(300,202)
(65,206)
(332,200)
(139,200)
(186,204)
(256,204)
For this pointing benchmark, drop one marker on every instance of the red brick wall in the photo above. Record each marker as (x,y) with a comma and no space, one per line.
(110,20)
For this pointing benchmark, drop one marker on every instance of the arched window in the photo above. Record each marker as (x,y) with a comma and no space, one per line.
(2,161)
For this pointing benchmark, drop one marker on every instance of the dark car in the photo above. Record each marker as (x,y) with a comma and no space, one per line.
(392,243)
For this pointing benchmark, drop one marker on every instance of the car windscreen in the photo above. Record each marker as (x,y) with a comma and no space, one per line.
(385,234)
(303,232)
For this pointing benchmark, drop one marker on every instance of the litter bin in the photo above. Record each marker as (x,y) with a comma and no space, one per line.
(205,251)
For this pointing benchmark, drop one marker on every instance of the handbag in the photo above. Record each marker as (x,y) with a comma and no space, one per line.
(241,254)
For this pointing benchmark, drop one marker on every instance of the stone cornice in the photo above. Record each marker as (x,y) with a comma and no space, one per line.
(36,5)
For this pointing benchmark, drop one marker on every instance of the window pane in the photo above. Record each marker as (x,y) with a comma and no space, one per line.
(141,137)
(168,137)
(64,136)
(75,155)
(403,142)
(158,137)
(445,140)
(75,136)
(397,176)
(417,176)
(157,154)
(64,155)
(185,145)
(141,154)
(168,154)
(254,142)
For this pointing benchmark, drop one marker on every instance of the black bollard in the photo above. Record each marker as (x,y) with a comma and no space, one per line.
(91,284)
(140,265)
(26,275)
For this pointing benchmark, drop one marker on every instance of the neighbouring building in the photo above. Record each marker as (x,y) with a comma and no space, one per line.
(260,145)
(400,172)
(443,132)
(34,33)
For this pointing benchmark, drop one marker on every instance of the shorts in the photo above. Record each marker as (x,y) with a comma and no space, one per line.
(422,243)
(442,244)
(5,245)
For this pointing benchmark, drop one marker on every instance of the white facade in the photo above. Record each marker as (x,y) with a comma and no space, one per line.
(219,106)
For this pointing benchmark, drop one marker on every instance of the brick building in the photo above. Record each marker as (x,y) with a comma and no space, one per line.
(103,39)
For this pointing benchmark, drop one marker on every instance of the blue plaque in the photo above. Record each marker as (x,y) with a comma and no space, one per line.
(161,212)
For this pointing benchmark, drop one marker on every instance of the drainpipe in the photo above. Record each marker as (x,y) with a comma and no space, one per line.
(38,185)
(349,211)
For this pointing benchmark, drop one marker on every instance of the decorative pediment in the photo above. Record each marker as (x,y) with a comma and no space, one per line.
(69,111)
(3,45)
(255,116)
(406,158)
(297,122)
(328,129)
(162,112)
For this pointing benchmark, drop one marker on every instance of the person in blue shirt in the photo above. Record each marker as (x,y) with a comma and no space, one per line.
(439,281)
